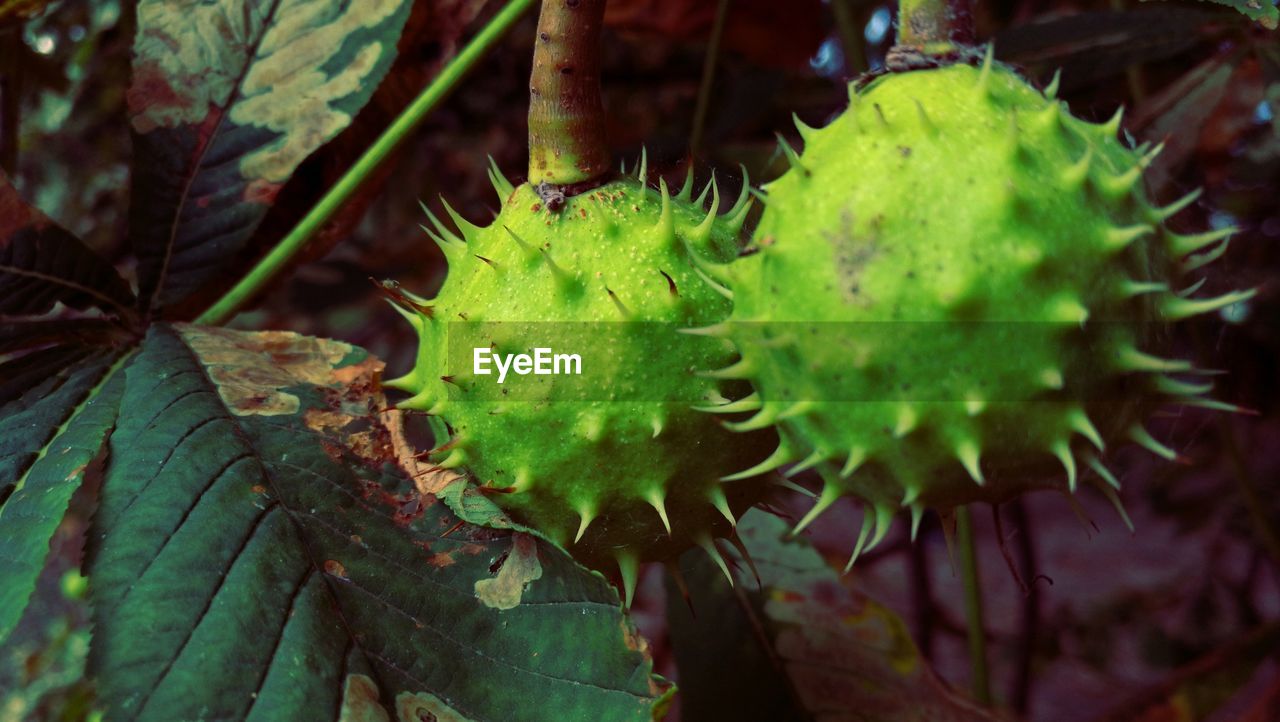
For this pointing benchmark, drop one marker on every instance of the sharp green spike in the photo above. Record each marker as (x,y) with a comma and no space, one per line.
(1191,290)
(1132,289)
(1176,309)
(1062,450)
(643,174)
(1120,185)
(867,524)
(741,369)
(1080,423)
(468,229)
(984,77)
(1143,438)
(1214,405)
(736,541)
(781,456)
(1111,128)
(884,520)
(718,330)
(523,480)
(790,485)
(969,455)
(420,401)
(700,236)
(830,495)
(713,283)
(656,500)
(1160,215)
(1201,260)
(910,494)
(657,424)
(1101,470)
(855,459)
(686,190)
(618,304)
(528,249)
(925,121)
(1131,359)
(501,185)
(1051,379)
(974,404)
(917,514)
(710,187)
(666,226)
(1119,237)
(1177,387)
(804,130)
(455,459)
(737,215)
(629,570)
(709,546)
(1114,498)
(1051,90)
(1149,156)
(907,420)
(1075,175)
(721,503)
(561,275)
(788,151)
(587,515)
(817,457)
(1180,245)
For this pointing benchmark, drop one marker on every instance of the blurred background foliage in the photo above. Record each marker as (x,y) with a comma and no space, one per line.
(1175,622)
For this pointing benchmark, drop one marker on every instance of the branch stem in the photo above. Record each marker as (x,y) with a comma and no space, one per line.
(709,64)
(377,154)
(566,113)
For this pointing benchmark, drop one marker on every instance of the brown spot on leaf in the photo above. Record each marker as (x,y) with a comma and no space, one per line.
(423,707)
(334,568)
(360,701)
(520,569)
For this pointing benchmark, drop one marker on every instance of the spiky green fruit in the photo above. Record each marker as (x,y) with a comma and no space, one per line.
(958,294)
(615,464)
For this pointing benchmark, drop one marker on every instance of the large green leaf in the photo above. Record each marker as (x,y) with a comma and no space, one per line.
(803,646)
(257,554)
(228,97)
(48,437)
(41,264)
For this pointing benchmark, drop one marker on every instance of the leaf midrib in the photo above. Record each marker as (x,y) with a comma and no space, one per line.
(268,20)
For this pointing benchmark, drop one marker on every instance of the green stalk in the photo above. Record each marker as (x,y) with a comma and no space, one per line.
(566,113)
(375,156)
(981,682)
(708,77)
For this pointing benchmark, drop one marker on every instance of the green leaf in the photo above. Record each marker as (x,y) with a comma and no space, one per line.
(258,554)
(47,440)
(228,97)
(42,264)
(803,647)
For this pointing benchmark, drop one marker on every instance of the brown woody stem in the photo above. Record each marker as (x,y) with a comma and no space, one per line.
(566,115)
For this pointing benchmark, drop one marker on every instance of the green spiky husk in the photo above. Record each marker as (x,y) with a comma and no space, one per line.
(591,472)
(998,282)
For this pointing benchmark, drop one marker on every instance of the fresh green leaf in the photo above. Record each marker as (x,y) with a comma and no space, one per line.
(258,554)
(42,264)
(47,440)
(228,97)
(804,646)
